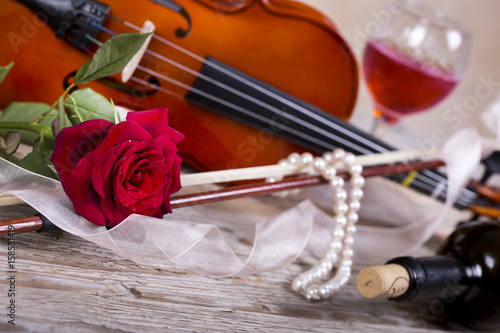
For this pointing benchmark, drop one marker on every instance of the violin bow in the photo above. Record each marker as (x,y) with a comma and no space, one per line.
(373,165)
(385,164)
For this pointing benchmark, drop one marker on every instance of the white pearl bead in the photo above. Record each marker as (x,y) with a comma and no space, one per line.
(340,207)
(293,158)
(347,253)
(356,193)
(326,265)
(338,154)
(338,233)
(349,241)
(340,220)
(283,162)
(356,169)
(306,158)
(347,265)
(335,286)
(297,285)
(353,218)
(335,245)
(358,181)
(349,158)
(319,164)
(340,194)
(351,229)
(328,157)
(329,172)
(330,256)
(325,292)
(312,292)
(317,274)
(355,205)
(336,182)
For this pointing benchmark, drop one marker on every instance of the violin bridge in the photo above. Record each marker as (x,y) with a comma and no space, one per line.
(130,68)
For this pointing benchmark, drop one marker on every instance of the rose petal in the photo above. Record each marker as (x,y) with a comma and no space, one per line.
(174,135)
(116,216)
(175,174)
(85,200)
(154,121)
(73,143)
(121,132)
(104,166)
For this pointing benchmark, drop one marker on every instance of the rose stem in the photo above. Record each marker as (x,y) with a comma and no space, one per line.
(35,223)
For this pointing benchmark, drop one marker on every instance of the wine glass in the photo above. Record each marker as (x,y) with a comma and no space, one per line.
(413,62)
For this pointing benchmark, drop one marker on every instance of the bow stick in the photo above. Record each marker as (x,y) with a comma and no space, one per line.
(267,171)
(374,165)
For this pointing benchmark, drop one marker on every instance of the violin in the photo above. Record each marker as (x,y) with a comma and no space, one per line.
(276,44)
(247,81)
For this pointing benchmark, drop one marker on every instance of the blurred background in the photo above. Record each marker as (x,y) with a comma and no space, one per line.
(464,106)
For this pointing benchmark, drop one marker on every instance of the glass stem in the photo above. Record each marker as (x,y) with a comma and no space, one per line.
(380,127)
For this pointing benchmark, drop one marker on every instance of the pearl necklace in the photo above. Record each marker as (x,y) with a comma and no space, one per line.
(339,254)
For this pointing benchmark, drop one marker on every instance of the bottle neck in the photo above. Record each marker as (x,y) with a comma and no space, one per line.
(435,277)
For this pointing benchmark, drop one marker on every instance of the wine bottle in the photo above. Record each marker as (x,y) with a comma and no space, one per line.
(462,282)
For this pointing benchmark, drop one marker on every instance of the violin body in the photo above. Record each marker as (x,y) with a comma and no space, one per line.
(283,43)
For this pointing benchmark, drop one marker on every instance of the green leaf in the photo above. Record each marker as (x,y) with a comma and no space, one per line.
(111,57)
(26,112)
(5,70)
(89,105)
(5,156)
(38,162)
(11,142)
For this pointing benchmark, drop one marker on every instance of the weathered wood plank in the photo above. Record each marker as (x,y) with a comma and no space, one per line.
(73,285)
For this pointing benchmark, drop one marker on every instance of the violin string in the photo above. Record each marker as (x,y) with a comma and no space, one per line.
(315,129)
(259,88)
(310,138)
(254,115)
(465,198)
(154,86)
(432,176)
(319,142)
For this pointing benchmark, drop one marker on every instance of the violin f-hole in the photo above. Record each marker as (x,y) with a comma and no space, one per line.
(172,5)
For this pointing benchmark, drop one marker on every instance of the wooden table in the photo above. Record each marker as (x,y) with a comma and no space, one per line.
(70,285)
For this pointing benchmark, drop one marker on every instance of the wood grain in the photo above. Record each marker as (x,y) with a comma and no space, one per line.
(70,285)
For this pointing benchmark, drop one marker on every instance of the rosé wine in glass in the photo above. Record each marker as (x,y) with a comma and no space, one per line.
(401,85)
(413,61)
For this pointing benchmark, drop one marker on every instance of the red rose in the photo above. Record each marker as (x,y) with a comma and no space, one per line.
(112,171)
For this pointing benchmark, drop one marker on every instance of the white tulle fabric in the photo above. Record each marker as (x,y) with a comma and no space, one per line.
(192,237)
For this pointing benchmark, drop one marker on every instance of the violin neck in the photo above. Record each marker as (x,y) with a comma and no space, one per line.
(245,99)
(236,95)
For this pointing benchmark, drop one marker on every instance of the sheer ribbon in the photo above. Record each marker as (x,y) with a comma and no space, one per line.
(191,237)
